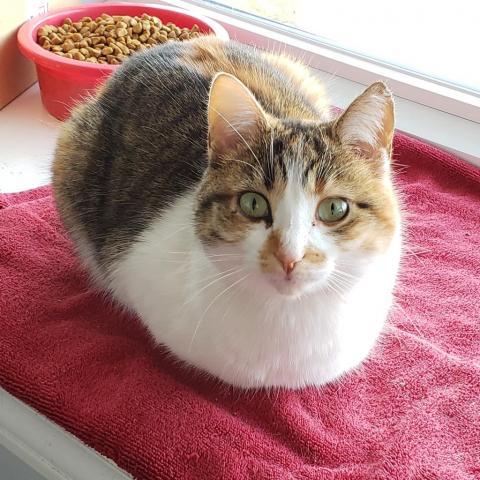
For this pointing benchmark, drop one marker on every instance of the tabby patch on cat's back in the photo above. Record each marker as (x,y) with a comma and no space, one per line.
(208,189)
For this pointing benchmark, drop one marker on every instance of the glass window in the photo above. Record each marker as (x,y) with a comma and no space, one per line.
(440,40)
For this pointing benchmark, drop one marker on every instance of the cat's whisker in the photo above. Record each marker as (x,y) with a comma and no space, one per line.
(187,257)
(210,275)
(209,278)
(339,172)
(172,234)
(396,305)
(395,331)
(338,293)
(415,253)
(211,304)
(189,261)
(344,273)
(336,288)
(346,276)
(342,284)
(230,298)
(211,283)
(209,255)
(348,282)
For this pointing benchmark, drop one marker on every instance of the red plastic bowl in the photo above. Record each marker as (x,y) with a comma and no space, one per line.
(64,82)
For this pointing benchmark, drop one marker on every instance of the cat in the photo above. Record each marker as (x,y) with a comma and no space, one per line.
(208,189)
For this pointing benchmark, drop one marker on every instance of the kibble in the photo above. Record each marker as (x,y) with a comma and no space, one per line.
(109,39)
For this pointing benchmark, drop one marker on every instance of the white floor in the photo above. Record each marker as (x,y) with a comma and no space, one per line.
(27,142)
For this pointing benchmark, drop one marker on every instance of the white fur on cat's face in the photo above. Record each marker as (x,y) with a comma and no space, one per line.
(294,223)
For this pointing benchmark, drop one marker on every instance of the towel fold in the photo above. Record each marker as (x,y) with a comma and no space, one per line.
(411,411)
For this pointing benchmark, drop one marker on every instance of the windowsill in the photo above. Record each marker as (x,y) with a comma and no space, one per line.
(28,134)
(40,449)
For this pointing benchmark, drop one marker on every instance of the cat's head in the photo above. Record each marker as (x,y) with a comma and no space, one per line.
(298,206)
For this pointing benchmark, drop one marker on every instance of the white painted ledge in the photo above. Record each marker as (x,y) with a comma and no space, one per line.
(48,449)
(27,141)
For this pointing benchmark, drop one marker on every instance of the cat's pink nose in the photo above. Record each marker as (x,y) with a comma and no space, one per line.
(287,262)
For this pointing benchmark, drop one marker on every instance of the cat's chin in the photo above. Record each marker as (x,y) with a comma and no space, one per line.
(294,288)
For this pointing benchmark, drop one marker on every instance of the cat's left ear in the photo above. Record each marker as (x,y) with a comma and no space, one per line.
(367,126)
(234,115)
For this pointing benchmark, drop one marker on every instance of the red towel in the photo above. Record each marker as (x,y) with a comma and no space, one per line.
(412,411)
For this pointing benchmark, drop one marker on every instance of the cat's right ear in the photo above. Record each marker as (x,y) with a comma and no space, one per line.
(234,115)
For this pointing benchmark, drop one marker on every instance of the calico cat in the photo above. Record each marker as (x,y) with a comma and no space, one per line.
(207,189)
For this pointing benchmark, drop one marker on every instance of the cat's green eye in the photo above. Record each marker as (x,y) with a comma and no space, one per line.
(332,209)
(254,205)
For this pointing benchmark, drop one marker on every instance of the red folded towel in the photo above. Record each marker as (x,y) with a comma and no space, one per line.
(412,411)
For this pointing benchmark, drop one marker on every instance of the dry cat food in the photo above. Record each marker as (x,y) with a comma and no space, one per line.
(109,39)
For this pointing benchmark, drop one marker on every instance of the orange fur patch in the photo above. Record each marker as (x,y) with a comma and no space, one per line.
(314,257)
(269,262)
(267,259)
(208,55)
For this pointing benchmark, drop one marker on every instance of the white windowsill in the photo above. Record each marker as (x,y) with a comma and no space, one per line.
(28,134)
(48,449)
